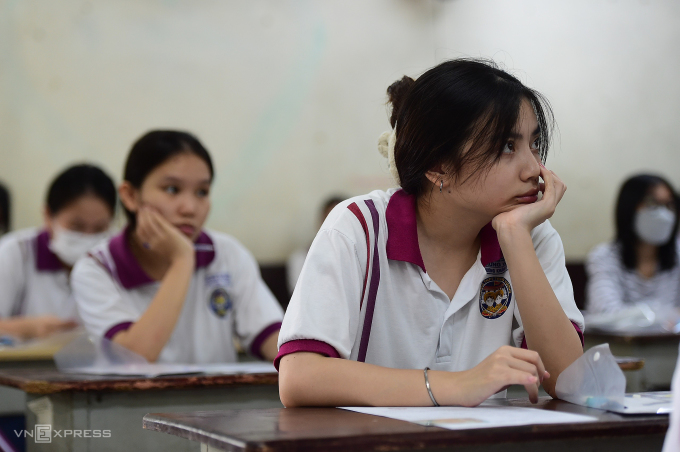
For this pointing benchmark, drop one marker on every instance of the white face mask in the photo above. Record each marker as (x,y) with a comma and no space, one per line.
(69,245)
(654,225)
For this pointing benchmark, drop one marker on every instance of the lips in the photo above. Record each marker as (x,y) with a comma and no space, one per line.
(187,229)
(528,197)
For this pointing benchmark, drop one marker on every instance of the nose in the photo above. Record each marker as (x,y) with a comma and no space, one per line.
(187,205)
(530,165)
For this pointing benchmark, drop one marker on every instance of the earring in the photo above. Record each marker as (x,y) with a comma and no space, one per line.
(441,185)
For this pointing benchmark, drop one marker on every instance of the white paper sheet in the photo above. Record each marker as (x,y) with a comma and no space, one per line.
(647,403)
(155,369)
(458,418)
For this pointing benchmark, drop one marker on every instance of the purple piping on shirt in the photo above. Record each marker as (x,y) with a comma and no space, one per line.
(576,327)
(260,338)
(360,216)
(115,329)
(373,288)
(45,259)
(305,345)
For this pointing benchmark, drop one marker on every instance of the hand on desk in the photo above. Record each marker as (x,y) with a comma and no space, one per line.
(35,327)
(504,367)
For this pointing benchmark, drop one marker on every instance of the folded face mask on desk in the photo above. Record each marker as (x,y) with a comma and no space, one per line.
(594,380)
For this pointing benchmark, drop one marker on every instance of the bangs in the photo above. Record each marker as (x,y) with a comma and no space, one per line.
(489,135)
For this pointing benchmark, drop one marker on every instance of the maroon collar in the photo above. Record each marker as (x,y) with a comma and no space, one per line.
(130,273)
(402,233)
(45,259)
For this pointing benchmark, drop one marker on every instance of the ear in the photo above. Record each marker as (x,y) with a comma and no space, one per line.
(436,176)
(129,196)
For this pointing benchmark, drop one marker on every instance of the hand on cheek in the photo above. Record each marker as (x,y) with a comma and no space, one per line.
(161,237)
(529,216)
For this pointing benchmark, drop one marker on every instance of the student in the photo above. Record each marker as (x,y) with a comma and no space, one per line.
(641,265)
(297,258)
(35,296)
(396,282)
(166,288)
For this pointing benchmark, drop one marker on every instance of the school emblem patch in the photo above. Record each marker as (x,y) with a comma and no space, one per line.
(497,268)
(220,302)
(495,295)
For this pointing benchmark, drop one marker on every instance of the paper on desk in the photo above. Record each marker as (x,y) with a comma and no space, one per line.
(100,356)
(459,418)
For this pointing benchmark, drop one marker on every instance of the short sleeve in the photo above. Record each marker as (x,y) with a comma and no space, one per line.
(101,305)
(12,276)
(324,312)
(550,252)
(604,291)
(257,312)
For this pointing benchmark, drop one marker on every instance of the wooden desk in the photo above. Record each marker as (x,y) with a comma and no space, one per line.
(658,349)
(331,429)
(118,404)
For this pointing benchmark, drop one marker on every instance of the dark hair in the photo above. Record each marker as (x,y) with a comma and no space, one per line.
(456,102)
(632,194)
(155,148)
(5,209)
(77,181)
(332,201)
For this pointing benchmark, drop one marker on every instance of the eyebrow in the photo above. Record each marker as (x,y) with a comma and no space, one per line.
(179,180)
(516,135)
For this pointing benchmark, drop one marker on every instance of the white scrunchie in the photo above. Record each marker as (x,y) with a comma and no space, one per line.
(386,144)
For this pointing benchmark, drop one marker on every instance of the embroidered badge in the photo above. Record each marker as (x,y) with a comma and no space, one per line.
(495,295)
(220,302)
(496,268)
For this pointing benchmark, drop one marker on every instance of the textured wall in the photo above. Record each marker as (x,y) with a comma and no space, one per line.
(289,95)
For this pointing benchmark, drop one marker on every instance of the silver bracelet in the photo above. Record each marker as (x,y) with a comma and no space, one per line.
(427,385)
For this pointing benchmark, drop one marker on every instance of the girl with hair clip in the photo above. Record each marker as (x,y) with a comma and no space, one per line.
(35,295)
(396,282)
(641,265)
(165,287)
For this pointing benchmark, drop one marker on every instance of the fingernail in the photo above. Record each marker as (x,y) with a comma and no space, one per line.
(541,164)
(546,374)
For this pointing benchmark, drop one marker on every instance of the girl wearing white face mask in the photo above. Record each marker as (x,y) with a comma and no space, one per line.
(35,295)
(641,265)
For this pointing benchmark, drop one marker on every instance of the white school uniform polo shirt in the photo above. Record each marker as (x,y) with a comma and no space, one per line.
(226,297)
(364,293)
(33,281)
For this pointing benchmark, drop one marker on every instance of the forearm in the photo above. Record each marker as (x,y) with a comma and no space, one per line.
(19,327)
(309,379)
(148,335)
(268,349)
(547,328)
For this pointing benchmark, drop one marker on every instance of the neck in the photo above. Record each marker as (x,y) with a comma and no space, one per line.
(646,252)
(451,227)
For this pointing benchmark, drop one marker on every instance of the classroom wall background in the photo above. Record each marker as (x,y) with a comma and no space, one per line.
(289,95)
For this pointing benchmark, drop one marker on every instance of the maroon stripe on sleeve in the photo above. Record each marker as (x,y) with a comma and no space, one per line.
(373,288)
(357,213)
(576,327)
(115,329)
(261,337)
(305,345)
